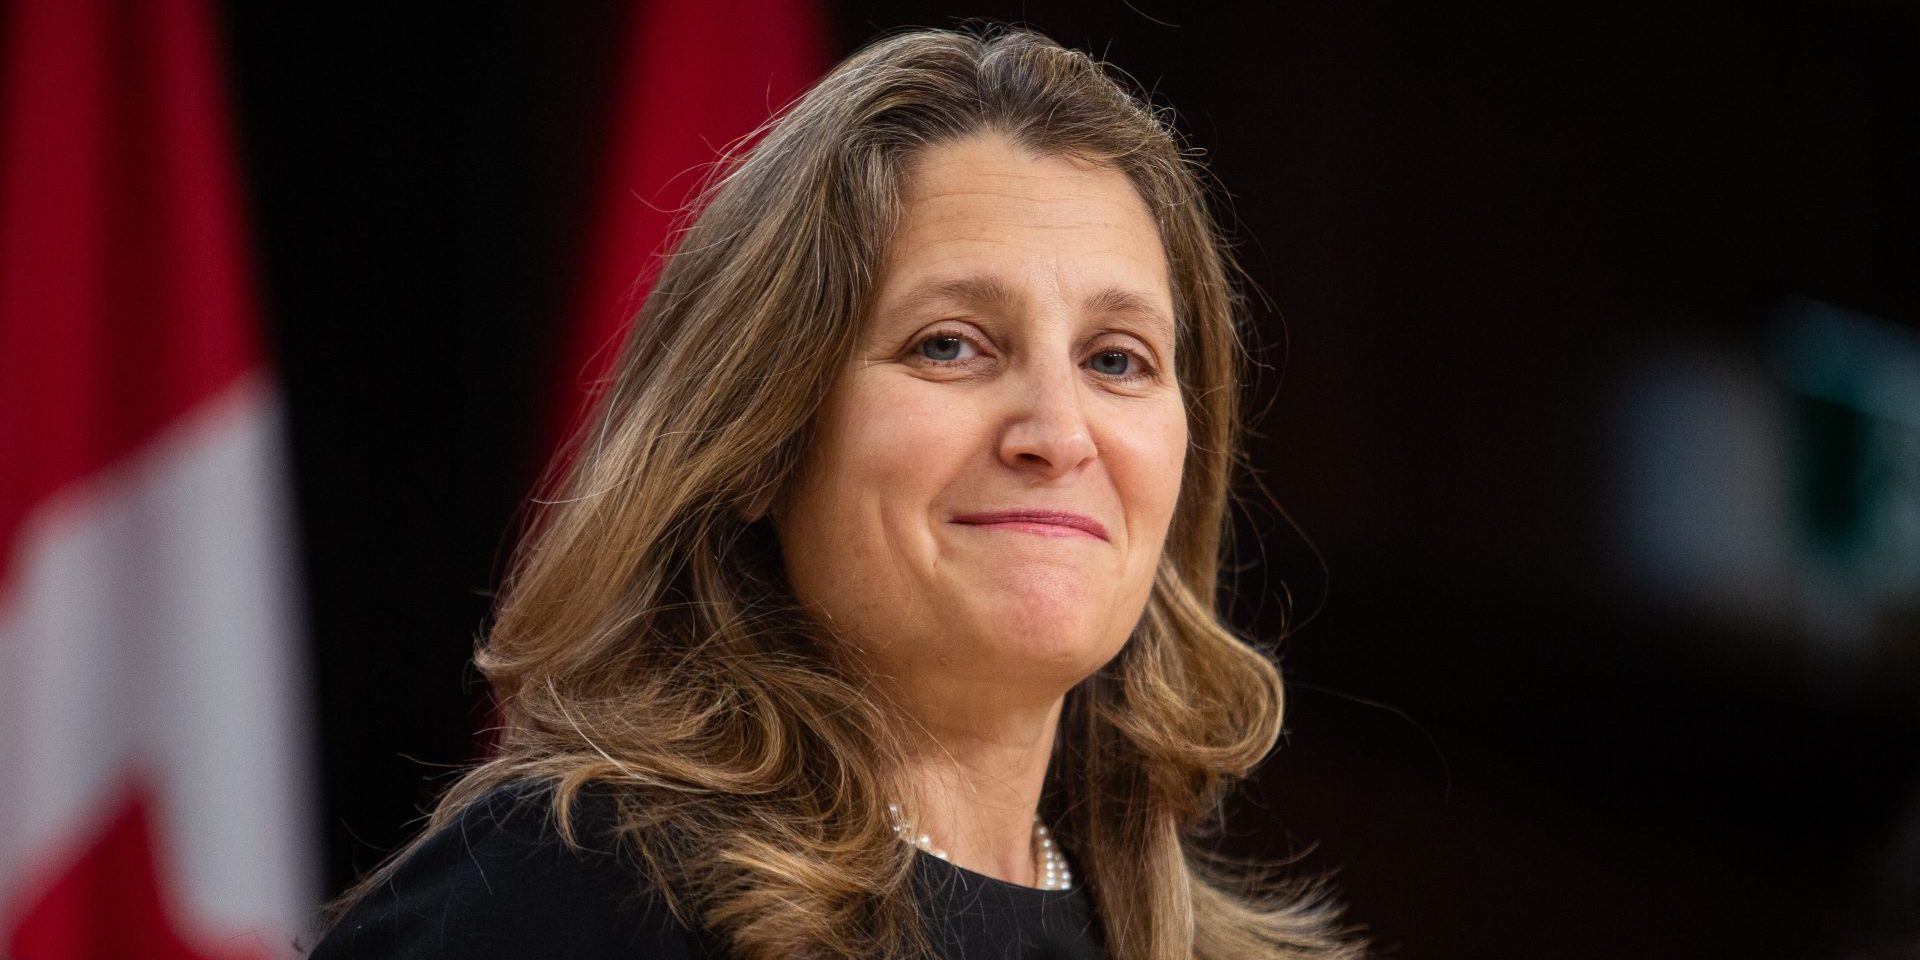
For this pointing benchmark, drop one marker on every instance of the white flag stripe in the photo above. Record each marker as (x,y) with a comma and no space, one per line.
(152,628)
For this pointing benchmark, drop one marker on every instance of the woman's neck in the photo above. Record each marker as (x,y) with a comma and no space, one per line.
(973,786)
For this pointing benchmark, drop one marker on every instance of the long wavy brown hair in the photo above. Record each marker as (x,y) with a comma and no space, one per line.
(645,641)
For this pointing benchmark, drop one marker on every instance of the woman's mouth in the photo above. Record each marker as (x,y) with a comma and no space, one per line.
(1045,523)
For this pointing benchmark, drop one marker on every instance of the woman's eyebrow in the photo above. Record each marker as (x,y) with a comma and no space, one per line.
(1114,301)
(987,292)
(976,290)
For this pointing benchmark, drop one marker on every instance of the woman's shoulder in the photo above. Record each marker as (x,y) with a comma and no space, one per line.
(500,881)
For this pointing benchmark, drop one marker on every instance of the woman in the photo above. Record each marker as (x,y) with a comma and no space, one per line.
(875,615)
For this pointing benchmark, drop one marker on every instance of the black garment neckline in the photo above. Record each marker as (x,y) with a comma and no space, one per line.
(972,915)
(1019,891)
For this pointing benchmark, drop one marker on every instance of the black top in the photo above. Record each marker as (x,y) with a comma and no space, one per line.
(500,883)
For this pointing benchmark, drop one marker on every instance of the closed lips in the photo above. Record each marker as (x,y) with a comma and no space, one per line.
(1040,519)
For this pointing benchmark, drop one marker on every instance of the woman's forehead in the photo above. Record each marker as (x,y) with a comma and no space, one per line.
(986,223)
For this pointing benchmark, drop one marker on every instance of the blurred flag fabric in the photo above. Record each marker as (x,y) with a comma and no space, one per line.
(697,78)
(155,782)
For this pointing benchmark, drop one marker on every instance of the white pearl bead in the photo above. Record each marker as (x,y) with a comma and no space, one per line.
(1050,866)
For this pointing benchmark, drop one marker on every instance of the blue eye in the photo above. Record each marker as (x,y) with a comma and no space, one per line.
(1111,363)
(942,349)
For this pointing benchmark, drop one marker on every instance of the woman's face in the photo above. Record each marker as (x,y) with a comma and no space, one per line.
(992,477)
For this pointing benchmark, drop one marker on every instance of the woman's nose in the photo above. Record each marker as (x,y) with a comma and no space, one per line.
(1046,431)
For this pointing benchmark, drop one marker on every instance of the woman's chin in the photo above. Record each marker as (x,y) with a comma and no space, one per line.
(1048,644)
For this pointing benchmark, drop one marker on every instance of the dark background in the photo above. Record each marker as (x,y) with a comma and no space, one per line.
(1562,683)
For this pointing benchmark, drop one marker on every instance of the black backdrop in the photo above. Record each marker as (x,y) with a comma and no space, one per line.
(1474,223)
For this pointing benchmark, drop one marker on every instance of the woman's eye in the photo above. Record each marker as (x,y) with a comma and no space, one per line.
(1112,363)
(943,349)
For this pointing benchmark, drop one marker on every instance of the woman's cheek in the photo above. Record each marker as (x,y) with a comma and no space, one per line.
(912,428)
(1148,457)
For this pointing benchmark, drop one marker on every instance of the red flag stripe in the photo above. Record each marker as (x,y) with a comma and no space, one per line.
(110,899)
(699,77)
(125,297)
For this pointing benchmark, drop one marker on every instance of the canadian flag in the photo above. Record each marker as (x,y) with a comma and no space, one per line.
(155,781)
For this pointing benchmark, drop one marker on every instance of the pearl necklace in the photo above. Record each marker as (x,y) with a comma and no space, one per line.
(1049,864)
